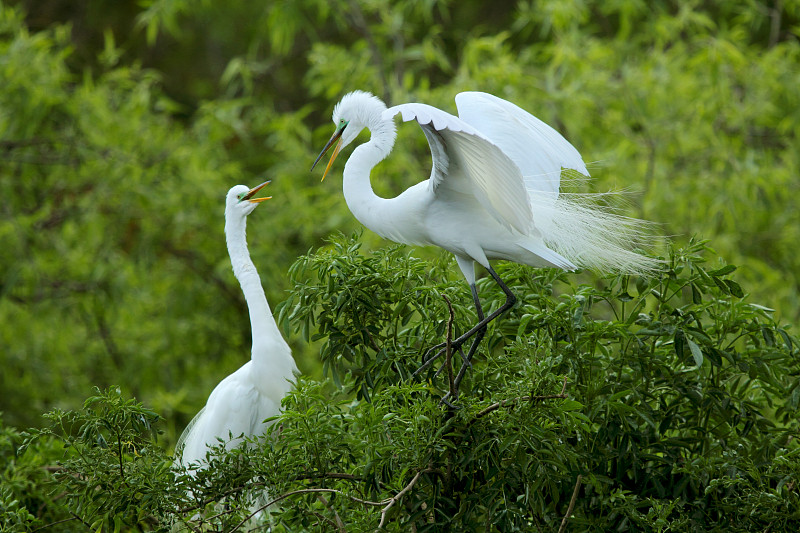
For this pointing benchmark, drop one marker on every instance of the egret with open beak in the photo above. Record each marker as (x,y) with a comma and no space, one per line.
(337,135)
(249,194)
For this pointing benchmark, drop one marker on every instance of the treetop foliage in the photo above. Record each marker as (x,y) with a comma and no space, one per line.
(661,404)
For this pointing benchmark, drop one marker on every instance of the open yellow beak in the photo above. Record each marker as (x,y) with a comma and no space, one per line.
(337,135)
(253,191)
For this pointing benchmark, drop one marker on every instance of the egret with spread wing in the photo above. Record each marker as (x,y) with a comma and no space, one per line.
(493,193)
(242,401)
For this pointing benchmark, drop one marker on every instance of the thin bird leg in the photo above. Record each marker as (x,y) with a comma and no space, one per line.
(510,301)
(466,361)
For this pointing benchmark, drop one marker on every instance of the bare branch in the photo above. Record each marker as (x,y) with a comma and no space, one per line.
(307,491)
(511,402)
(449,349)
(399,495)
(70,519)
(339,524)
(328,475)
(571,506)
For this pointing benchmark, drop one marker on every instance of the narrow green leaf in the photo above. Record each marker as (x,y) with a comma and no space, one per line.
(697,353)
(734,288)
(727,269)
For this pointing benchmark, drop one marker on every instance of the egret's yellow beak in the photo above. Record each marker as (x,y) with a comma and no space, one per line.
(251,192)
(336,135)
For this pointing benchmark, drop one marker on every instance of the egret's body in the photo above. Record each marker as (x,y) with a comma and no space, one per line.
(493,192)
(242,401)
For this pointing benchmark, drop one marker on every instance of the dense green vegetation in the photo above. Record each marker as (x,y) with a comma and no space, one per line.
(123,125)
(668,404)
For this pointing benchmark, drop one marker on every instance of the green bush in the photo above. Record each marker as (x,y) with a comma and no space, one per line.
(656,404)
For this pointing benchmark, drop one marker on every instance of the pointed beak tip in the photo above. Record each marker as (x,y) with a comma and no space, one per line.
(254,190)
(259,200)
(337,135)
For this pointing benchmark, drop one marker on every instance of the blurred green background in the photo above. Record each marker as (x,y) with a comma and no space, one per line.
(124,123)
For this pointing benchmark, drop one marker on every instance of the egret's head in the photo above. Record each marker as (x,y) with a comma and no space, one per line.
(354,112)
(240,199)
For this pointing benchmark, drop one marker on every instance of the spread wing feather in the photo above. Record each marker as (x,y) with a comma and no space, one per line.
(492,177)
(537,149)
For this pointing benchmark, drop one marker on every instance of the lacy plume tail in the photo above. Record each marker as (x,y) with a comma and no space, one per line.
(593,236)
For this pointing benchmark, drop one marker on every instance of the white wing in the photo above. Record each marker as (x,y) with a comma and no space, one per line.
(493,178)
(537,149)
(235,408)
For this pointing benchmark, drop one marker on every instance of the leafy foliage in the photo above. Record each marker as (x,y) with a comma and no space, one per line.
(661,404)
(121,127)
(121,130)
(373,323)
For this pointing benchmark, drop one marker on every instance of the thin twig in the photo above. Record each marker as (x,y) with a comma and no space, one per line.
(55,523)
(329,475)
(339,524)
(511,402)
(307,491)
(448,357)
(399,495)
(322,518)
(571,505)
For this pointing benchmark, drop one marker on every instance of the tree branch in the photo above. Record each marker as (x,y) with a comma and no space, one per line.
(339,524)
(449,348)
(571,506)
(306,491)
(399,495)
(70,519)
(511,402)
(328,475)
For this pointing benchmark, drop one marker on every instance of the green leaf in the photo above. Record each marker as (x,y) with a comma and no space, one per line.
(697,353)
(680,344)
(734,288)
(727,269)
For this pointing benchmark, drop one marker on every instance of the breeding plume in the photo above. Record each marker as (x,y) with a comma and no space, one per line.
(493,193)
(239,404)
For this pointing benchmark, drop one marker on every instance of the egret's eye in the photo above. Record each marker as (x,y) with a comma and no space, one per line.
(343,123)
(240,196)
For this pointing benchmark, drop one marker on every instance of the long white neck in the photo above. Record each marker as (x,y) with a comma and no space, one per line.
(369,208)
(266,334)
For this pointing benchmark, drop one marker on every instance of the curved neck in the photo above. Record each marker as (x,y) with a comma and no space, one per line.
(263,327)
(356,185)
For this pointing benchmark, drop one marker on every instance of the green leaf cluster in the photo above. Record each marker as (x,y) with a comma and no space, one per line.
(629,404)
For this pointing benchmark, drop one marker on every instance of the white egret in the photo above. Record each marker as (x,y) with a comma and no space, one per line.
(242,401)
(493,193)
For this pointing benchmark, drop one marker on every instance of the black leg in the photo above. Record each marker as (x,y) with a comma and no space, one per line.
(478,336)
(479,327)
(510,301)
(465,359)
